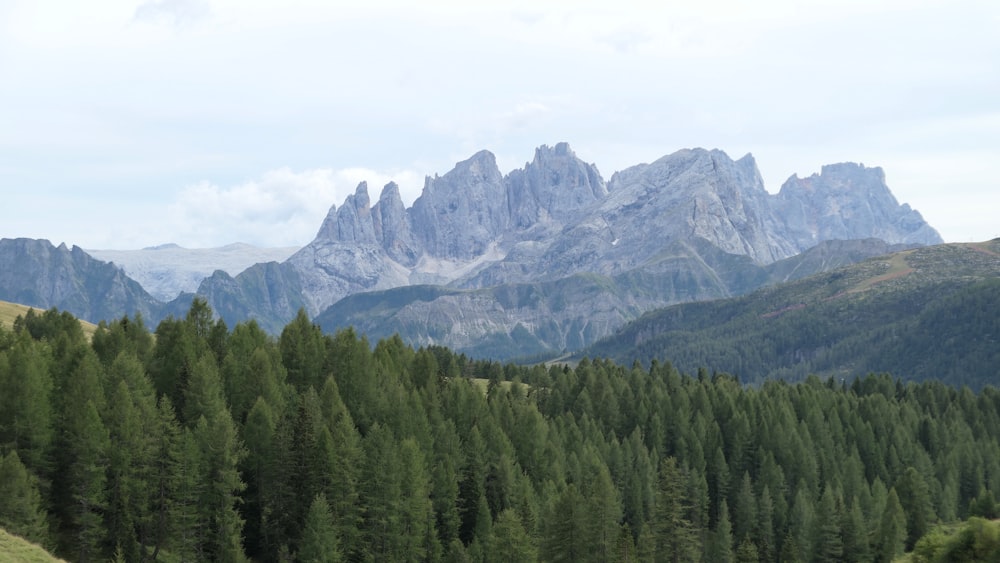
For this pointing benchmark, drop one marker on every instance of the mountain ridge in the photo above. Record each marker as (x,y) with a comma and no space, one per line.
(691,225)
(921,313)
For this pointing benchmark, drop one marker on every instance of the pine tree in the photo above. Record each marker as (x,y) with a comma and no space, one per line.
(674,536)
(802,520)
(891,531)
(416,512)
(381,494)
(343,486)
(303,352)
(129,462)
(87,451)
(604,509)
(720,547)
(510,540)
(767,546)
(26,418)
(565,532)
(169,513)
(790,551)
(855,534)
(21,509)
(747,551)
(745,509)
(915,499)
(220,452)
(251,369)
(319,537)
(260,472)
(827,543)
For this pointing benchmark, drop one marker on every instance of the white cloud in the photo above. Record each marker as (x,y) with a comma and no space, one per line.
(179,13)
(281,208)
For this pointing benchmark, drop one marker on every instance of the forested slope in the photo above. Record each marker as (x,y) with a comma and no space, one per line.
(216,443)
(928,313)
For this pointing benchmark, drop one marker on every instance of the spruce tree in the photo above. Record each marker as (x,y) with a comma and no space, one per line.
(827,543)
(26,417)
(915,499)
(87,449)
(510,540)
(746,552)
(319,537)
(21,510)
(674,536)
(891,534)
(720,547)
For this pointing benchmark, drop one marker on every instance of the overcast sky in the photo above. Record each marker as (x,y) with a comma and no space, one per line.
(127,124)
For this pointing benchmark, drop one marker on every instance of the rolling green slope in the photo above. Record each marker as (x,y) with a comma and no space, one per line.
(14,548)
(932,312)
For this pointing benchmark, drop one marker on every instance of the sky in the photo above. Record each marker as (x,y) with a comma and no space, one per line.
(127,124)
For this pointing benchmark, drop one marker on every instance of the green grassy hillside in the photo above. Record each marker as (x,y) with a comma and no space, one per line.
(14,549)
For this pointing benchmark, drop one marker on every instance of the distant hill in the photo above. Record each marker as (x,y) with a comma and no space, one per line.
(931,312)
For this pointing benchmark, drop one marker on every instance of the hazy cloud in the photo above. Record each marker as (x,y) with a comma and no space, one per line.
(281,208)
(179,13)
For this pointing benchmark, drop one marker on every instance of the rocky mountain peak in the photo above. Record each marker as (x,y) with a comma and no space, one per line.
(353,221)
(555,185)
(694,193)
(848,201)
(393,228)
(460,214)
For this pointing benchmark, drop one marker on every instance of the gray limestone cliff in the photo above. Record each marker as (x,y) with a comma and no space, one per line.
(847,201)
(38,274)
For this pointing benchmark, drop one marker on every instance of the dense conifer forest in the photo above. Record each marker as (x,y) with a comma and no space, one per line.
(201,442)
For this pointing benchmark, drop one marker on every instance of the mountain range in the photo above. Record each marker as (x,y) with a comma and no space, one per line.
(546,258)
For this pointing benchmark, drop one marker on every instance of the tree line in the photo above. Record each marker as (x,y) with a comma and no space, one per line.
(197,442)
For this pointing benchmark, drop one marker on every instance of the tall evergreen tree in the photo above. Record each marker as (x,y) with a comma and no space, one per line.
(915,499)
(746,552)
(303,352)
(510,540)
(26,417)
(744,509)
(565,537)
(87,449)
(827,543)
(676,539)
(720,546)
(21,510)
(855,534)
(891,535)
(260,473)
(381,494)
(319,537)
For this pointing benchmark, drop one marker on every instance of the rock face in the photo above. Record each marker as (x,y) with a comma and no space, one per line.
(38,274)
(692,225)
(847,201)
